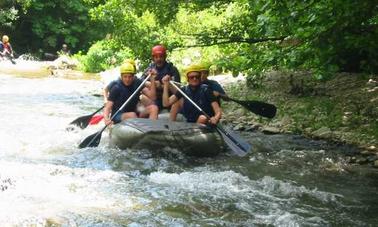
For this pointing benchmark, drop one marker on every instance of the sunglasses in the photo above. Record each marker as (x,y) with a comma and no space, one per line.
(127,76)
(194,77)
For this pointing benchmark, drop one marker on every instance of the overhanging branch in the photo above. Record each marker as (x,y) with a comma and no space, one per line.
(235,40)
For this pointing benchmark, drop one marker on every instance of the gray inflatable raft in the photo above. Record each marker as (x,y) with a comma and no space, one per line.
(189,138)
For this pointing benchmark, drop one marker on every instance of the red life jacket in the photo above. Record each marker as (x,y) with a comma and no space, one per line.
(7,47)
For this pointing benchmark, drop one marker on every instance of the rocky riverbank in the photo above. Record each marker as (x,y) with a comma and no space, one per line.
(342,110)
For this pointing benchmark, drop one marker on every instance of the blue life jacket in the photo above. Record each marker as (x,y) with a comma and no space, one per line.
(167,69)
(202,96)
(119,93)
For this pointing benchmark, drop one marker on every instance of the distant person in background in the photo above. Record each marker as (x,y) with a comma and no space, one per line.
(6,48)
(64,50)
(160,67)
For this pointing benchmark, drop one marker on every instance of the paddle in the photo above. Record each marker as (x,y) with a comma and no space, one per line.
(83,121)
(257,107)
(9,56)
(234,142)
(94,139)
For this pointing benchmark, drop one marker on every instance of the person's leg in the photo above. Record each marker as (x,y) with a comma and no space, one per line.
(128,115)
(150,111)
(175,108)
(202,119)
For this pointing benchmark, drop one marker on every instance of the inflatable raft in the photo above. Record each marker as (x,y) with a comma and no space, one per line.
(189,138)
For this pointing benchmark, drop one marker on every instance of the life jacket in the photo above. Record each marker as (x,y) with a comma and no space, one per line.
(201,96)
(167,68)
(7,46)
(119,93)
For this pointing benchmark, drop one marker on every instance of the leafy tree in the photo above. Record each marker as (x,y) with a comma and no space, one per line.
(253,36)
(47,25)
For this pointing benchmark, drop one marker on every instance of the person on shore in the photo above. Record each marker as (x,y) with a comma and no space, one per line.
(160,68)
(64,50)
(122,91)
(6,48)
(198,93)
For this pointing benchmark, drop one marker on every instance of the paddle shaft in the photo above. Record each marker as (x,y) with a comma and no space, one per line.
(256,107)
(222,131)
(123,105)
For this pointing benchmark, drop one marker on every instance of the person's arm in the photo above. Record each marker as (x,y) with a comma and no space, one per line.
(167,101)
(106,94)
(113,94)
(218,113)
(107,112)
(150,91)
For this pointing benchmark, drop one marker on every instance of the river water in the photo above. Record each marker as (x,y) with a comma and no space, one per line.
(45,180)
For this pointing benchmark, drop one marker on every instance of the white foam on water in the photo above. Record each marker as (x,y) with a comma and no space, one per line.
(44,191)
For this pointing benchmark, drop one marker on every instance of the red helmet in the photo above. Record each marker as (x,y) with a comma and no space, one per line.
(159,50)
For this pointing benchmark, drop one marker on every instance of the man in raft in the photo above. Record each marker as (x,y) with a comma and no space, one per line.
(122,91)
(198,93)
(160,67)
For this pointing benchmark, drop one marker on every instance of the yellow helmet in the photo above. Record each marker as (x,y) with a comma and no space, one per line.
(127,68)
(193,68)
(131,61)
(204,66)
(5,38)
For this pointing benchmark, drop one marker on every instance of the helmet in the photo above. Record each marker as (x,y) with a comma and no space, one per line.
(5,38)
(127,68)
(204,66)
(131,61)
(159,50)
(193,68)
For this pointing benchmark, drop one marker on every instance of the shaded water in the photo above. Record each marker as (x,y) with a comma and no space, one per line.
(45,179)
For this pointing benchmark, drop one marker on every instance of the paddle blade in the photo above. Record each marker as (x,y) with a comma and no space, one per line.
(92,140)
(96,119)
(234,141)
(259,108)
(82,121)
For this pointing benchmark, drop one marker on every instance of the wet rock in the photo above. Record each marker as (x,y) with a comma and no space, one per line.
(239,127)
(376,163)
(323,132)
(361,160)
(270,130)
(365,153)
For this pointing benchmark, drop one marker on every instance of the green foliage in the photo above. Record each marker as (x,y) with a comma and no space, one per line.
(45,25)
(103,55)
(253,36)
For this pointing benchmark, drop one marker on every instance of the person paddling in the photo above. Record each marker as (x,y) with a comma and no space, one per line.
(212,84)
(197,92)
(121,91)
(6,48)
(160,67)
(118,80)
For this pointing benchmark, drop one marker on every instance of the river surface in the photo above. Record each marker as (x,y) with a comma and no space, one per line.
(45,180)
